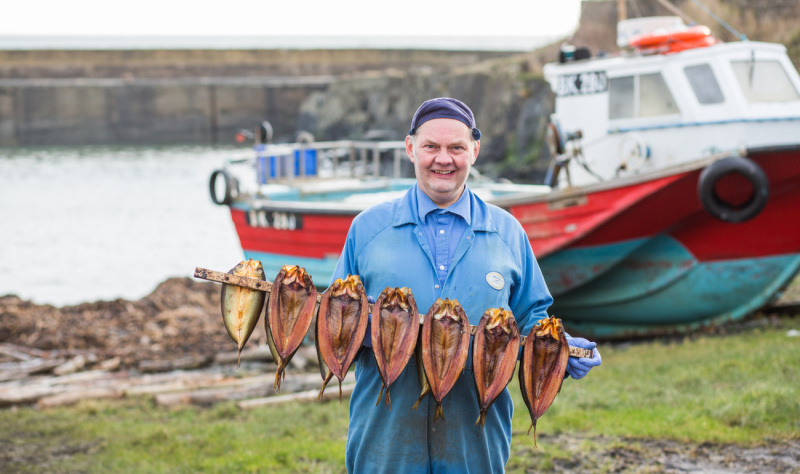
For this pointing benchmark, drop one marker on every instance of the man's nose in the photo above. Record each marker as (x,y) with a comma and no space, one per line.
(443,157)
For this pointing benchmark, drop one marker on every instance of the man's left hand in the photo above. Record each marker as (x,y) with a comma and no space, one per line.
(577,368)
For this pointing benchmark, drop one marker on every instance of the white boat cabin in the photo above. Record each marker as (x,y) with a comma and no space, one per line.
(674,96)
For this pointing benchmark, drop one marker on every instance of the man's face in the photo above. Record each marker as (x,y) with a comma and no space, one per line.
(442,153)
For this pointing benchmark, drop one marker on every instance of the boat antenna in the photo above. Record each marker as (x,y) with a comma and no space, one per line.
(719,20)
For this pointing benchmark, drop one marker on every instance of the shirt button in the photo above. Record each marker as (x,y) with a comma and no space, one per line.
(436,286)
(469,237)
(441,231)
(441,267)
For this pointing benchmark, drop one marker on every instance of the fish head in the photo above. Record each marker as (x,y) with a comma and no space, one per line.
(295,276)
(396,298)
(548,327)
(502,319)
(249,268)
(447,309)
(351,287)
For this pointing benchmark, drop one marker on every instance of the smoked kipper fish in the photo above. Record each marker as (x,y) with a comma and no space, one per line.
(425,387)
(289,315)
(542,367)
(445,346)
(395,326)
(494,355)
(241,307)
(341,326)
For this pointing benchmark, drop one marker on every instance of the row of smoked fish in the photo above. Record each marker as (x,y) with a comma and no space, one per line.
(440,345)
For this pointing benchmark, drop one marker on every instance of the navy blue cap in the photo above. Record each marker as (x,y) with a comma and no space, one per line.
(444,107)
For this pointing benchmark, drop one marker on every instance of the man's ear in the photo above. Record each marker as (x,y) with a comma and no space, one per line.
(410,148)
(475,154)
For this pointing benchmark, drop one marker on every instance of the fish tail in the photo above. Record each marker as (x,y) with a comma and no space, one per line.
(419,400)
(340,393)
(380,395)
(387,401)
(277,384)
(481,419)
(439,411)
(324,384)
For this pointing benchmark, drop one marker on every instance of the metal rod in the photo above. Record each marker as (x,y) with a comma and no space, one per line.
(352,159)
(397,158)
(376,155)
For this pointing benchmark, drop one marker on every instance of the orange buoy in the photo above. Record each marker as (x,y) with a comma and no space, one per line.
(675,41)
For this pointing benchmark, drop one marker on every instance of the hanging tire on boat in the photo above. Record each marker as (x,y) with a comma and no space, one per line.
(231,187)
(724,210)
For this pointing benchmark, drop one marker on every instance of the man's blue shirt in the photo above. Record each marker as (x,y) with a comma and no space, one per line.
(491,266)
(443,228)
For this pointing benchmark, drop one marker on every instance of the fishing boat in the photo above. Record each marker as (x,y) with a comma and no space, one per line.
(672,201)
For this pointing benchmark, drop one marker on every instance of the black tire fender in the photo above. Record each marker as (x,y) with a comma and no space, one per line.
(724,210)
(231,187)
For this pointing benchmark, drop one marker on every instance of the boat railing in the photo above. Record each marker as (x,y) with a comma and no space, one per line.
(289,162)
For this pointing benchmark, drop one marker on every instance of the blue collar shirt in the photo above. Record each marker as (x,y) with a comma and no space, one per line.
(443,228)
(491,265)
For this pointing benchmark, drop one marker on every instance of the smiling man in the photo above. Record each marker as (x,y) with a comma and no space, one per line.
(441,241)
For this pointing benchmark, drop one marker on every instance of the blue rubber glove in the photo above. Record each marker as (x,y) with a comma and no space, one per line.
(368,337)
(578,368)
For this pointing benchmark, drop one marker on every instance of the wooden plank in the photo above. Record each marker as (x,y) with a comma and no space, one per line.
(74,396)
(13,351)
(257,353)
(175,382)
(15,370)
(26,395)
(308,395)
(223,277)
(182,363)
(241,389)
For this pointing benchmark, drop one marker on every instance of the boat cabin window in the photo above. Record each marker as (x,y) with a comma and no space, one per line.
(704,84)
(645,95)
(764,81)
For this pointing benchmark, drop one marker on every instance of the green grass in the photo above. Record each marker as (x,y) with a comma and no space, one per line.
(733,389)
(741,388)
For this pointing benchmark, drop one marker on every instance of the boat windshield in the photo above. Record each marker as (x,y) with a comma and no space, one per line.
(645,95)
(764,81)
(704,84)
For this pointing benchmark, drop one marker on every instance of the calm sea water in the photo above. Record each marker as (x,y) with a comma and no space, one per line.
(88,224)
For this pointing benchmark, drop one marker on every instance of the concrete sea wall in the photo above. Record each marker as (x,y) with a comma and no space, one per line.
(193,96)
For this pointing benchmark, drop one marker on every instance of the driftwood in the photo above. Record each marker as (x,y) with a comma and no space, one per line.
(19,370)
(308,395)
(183,363)
(257,353)
(246,388)
(34,378)
(14,351)
(75,396)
